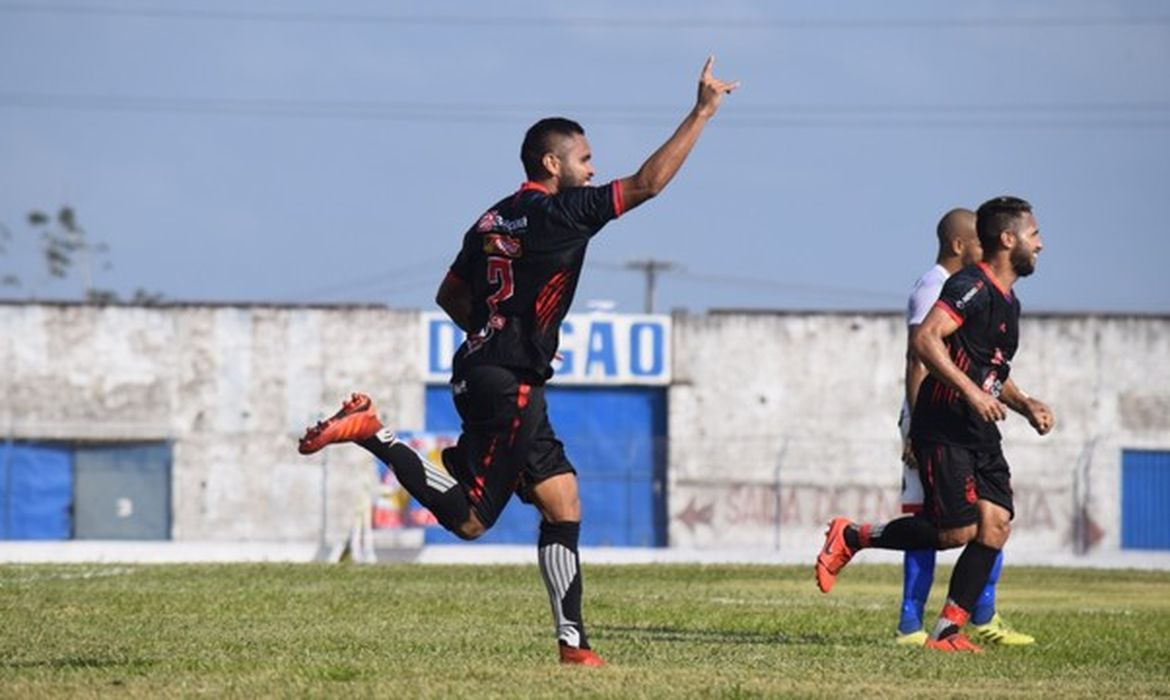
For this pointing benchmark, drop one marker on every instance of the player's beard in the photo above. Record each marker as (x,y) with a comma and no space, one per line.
(574,179)
(1023,262)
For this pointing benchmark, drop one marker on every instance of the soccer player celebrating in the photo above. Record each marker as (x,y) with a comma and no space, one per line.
(958,247)
(510,287)
(967,342)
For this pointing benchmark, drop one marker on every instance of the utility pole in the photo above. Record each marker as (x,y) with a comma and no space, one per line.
(650,267)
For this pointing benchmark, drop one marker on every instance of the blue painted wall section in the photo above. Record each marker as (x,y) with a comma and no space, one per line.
(36,491)
(615,437)
(122,492)
(1145,493)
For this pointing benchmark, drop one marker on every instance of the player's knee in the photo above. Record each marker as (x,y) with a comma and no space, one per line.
(995,533)
(562,512)
(557,498)
(470,530)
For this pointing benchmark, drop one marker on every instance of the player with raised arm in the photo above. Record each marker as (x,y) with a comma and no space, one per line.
(967,342)
(510,287)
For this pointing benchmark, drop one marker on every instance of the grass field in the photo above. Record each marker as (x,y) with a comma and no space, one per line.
(405,631)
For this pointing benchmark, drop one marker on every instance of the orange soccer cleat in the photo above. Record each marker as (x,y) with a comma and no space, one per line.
(581,657)
(357,420)
(955,642)
(834,555)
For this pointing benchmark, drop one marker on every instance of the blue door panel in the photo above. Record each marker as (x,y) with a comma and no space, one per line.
(1145,491)
(36,492)
(123,492)
(615,438)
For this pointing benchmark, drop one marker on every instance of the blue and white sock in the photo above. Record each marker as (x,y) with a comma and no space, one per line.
(985,606)
(917,578)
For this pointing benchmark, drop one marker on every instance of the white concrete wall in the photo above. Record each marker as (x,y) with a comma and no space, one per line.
(780,421)
(777,421)
(231,387)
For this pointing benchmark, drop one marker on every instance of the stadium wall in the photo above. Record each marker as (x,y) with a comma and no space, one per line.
(229,388)
(776,420)
(779,421)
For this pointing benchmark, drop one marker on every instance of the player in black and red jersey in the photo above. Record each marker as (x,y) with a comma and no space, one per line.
(510,287)
(967,341)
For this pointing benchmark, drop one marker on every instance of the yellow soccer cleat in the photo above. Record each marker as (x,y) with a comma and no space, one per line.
(996,631)
(911,639)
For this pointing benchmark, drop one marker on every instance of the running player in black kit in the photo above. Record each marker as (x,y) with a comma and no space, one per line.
(967,341)
(510,287)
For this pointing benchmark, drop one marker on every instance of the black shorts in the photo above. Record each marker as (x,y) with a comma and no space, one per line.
(954,478)
(507,445)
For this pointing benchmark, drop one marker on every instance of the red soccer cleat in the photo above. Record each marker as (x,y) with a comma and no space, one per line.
(834,555)
(955,642)
(581,657)
(357,420)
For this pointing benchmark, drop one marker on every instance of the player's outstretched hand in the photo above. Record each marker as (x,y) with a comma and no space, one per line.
(1039,415)
(712,89)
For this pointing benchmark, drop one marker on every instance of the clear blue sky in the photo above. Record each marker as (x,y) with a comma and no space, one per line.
(335,152)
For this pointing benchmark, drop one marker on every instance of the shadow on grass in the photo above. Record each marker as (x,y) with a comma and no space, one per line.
(68,663)
(682,634)
(336,673)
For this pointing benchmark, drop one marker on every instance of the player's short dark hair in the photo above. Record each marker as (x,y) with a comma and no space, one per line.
(539,141)
(996,216)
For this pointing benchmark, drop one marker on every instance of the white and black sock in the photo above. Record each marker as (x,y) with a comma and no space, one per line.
(438,491)
(560,567)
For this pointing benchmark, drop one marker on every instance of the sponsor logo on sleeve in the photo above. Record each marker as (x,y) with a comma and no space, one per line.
(966,298)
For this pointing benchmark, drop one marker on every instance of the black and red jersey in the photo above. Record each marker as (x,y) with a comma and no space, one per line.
(521,260)
(982,347)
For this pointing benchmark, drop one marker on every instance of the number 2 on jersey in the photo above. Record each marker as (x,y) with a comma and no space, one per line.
(499,271)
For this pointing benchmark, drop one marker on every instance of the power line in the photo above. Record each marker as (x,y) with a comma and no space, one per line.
(650,269)
(242,107)
(596,22)
(1134,114)
(800,287)
(276,104)
(771,285)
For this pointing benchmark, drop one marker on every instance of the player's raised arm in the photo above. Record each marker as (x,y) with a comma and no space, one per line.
(660,167)
(929,346)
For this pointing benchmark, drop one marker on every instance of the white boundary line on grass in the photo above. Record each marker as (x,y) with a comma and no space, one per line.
(122,552)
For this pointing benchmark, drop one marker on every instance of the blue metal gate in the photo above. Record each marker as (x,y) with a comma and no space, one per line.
(615,437)
(36,491)
(123,492)
(1145,491)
